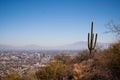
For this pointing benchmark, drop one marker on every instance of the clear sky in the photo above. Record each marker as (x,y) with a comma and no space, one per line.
(55,22)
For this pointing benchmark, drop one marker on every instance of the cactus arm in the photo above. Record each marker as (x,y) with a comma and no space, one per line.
(89,40)
(95,40)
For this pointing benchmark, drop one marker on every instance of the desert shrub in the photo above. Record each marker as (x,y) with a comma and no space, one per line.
(56,70)
(13,76)
(29,76)
(90,69)
(112,60)
(81,56)
(63,57)
(17,76)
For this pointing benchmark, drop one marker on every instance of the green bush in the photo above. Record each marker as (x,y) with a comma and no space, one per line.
(13,76)
(64,58)
(17,76)
(81,56)
(110,61)
(54,71)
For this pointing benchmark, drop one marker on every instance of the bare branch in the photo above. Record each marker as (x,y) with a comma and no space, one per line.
(113,28)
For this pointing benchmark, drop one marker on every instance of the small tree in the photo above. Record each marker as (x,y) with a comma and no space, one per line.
(13,76)
(56,70)
(113,28)
(81,56)
(65,58)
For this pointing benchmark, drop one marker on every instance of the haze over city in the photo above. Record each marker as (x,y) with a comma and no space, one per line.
(55,22)
(59,39)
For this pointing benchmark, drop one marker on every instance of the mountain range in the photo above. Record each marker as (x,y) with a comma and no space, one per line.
(81,45)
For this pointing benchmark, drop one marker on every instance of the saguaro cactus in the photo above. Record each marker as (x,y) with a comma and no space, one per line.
(91,42)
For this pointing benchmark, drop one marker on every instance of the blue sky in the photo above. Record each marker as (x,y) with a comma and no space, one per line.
(55,22)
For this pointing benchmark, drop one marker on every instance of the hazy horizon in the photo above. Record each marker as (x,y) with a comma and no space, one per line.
(55,22)
(77,42)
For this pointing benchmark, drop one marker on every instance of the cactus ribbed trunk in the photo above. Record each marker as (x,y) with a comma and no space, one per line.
(91,42)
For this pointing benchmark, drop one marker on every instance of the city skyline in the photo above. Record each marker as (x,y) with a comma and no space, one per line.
(55,22)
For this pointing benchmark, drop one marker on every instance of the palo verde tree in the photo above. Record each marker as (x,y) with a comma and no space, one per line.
(113,28)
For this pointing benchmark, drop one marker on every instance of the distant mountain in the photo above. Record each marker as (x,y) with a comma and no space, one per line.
(74,46)
(81,45)
(7,47)
(32,47)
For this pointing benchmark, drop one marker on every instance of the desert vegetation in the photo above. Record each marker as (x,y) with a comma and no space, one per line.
(105,65)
